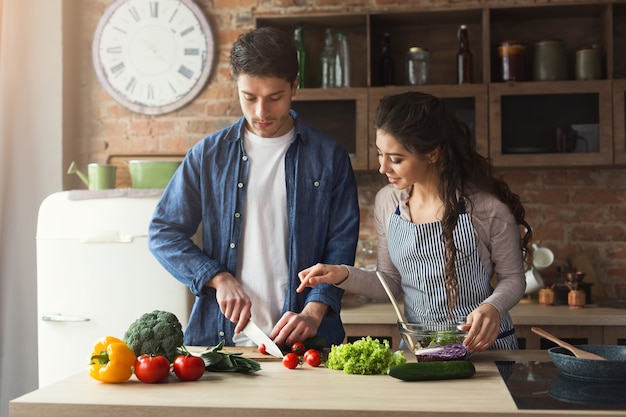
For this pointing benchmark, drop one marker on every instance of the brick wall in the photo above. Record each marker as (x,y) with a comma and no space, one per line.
(571,210)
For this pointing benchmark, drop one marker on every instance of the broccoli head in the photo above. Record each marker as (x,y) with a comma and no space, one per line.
(156,333)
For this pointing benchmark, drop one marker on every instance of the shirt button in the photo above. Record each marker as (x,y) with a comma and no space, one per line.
(237,215)
(232,246)
(221,333)
(240,185)
(316,183)
(244,158)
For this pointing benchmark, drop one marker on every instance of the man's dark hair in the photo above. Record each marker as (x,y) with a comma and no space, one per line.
(263,52)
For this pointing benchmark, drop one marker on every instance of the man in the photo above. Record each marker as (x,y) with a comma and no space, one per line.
(274,196)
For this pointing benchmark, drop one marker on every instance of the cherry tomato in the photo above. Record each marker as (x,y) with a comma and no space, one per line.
(291,360)
(188,367)
(312,357)
(152,369)
(298,348)
(262,349)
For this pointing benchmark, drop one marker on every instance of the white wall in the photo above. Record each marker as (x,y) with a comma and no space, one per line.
(31,136)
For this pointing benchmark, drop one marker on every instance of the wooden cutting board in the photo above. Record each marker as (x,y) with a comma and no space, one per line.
(250,352)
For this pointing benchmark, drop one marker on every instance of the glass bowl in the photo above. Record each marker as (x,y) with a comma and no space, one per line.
(433,333)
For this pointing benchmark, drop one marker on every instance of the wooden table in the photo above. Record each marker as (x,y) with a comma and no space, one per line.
(591,324)
(276,391)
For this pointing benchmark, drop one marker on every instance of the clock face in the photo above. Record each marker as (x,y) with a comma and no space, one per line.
(153,57)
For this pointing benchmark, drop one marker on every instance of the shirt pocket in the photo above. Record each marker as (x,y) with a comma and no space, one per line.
(315,197)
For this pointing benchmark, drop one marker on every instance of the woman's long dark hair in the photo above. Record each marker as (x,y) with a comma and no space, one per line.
(422,123)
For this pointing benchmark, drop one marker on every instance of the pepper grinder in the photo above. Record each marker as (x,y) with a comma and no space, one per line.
(576,297)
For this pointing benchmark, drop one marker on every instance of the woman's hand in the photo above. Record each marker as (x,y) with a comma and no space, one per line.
(484,327)
(321,273)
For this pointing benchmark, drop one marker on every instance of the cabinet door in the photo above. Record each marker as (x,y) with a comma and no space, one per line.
(340,112)
(468,102)
(551,123)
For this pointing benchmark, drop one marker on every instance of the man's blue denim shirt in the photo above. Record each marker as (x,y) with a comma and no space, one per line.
(209,189)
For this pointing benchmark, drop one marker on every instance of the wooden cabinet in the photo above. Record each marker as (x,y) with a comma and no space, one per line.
(529,123)
(551,123)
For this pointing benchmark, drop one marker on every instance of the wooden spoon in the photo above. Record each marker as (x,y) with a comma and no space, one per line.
(579,353)
(382,280)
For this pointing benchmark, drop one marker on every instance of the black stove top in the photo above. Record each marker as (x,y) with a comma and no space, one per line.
(540,386)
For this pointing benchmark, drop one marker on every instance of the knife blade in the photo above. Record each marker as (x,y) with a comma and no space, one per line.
(255,334)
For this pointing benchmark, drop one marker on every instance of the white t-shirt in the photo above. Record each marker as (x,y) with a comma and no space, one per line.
(262,266)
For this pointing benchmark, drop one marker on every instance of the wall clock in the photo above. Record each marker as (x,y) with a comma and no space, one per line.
(153,57)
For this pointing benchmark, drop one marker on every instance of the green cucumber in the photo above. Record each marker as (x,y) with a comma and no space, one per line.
(426,371)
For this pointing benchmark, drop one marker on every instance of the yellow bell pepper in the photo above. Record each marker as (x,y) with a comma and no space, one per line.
(112,360)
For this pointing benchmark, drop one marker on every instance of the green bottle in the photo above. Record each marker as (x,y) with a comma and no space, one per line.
(299,37)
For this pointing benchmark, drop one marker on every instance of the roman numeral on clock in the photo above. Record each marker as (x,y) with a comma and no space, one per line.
(185,72)
(117,69)
(154,9)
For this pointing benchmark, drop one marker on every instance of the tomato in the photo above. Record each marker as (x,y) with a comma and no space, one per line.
(298,348)
(152,369)
(188,367)
(312,357)
(262,349)
(291,360)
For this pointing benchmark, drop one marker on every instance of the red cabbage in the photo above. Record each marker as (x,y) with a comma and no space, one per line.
(451,352)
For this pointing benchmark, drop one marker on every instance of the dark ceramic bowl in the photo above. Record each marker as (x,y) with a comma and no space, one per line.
(612,369)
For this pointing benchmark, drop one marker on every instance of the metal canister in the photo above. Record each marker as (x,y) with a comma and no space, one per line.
(588,65)
(512,61)
(550,62)
(417,66)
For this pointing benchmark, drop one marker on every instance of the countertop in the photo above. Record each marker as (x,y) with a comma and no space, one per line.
(532,314)
(276,391)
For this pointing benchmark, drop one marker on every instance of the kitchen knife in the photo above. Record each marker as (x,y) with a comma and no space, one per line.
(255,334)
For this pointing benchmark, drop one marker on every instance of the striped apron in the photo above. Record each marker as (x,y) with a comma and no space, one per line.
(417,251)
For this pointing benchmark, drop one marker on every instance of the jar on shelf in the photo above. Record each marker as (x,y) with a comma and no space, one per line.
(327,60)
(588,65)
(512,61)
(550,60)
(417,66)
(547,296)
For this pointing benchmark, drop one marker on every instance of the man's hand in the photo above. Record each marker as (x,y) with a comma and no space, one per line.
(292,327)
(232,299)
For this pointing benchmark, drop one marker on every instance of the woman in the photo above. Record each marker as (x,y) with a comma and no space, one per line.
(449,234)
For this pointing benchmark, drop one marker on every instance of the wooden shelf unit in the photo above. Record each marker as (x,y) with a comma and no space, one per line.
(499,108)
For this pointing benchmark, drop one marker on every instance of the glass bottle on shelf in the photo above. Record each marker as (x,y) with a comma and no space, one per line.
(302,55)
(417,71)
(463,57)
(327,61)
(385,64)
(342,63)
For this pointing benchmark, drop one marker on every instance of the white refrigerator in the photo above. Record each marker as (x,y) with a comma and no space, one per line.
(95,274)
